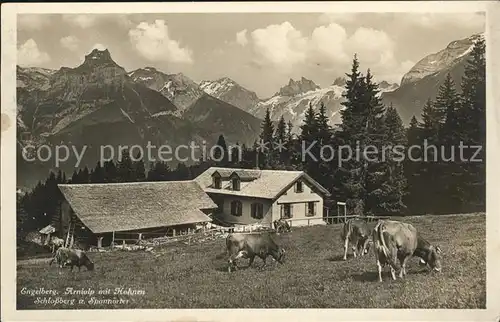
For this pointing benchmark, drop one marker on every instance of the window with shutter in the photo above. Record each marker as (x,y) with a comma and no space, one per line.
(311,209)
(286,211)
(217,183)
(257,211)
(299,187)
(236,184)
(236,208)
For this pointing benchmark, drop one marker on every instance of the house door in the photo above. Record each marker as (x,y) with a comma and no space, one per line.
(286,211)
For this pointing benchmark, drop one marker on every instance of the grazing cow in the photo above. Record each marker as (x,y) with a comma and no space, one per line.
(281,225)
(72,257)
(249,245)
(356,232)
(397,241)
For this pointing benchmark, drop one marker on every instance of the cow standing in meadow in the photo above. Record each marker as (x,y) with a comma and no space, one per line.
(357,233)
(72,257)
(250,245)
(396,242)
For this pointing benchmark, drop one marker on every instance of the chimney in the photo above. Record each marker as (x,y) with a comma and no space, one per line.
(256,160)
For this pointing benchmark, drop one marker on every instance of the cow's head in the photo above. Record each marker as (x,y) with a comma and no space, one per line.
(433,258)
(281,255)
(90,265)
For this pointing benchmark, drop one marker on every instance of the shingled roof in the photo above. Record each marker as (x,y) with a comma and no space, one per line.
(138,205)
(268,184)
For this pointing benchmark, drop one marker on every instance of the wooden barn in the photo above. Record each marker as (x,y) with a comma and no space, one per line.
(102,214)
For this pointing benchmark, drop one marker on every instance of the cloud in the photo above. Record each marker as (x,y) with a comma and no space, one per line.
(28,54)
(283,47)
(70,42)
(279,45)
(82,21)
(153,42)
(372,46)
(32,21)
(85,21)
(327,45)
(241,37)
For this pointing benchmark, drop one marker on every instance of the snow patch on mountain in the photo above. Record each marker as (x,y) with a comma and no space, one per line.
(214,88)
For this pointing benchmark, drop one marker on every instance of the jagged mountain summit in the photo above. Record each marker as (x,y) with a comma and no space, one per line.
(98,104)
(386,87)
(230,92)
(294,104)
(298,87)
(178,88)
(291,101)
(93,105)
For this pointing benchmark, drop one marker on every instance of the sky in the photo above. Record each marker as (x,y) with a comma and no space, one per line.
(260,51)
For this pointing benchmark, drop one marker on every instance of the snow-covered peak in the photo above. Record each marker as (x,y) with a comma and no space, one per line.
(384,86)
(293,87)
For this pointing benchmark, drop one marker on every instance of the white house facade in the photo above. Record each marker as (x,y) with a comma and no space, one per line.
(247,196)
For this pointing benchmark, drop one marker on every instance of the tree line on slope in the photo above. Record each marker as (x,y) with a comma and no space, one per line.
(378,185)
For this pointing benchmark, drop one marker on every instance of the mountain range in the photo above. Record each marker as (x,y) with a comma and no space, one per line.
(99,103)
(423,80)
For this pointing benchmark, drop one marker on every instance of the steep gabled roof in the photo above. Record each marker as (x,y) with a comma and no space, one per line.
(268,184)
(138,205)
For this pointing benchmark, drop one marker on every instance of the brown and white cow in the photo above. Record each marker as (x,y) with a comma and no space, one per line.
(357,233)
(250,245)
(72,257)
(396,242)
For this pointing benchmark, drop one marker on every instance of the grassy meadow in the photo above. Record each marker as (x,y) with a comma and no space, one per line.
(313,276)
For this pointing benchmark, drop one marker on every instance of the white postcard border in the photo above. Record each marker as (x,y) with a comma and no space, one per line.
(8,167)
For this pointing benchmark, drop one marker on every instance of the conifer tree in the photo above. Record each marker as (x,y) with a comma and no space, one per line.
(395,186)
(110,172)
(281,138)
(447,109)
(473,104)
(412,165)
(350,174)
(221,153)
(125,169)
(267,155)
(97,176)
(139,168)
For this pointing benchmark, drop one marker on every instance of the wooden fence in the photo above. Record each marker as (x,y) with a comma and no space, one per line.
(153,238)
(334,219)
